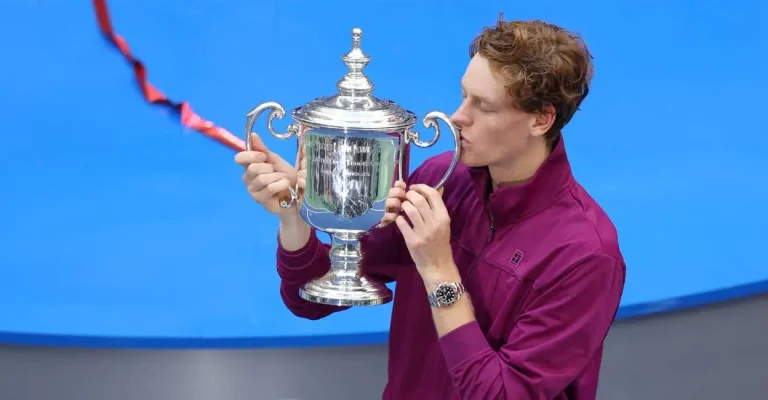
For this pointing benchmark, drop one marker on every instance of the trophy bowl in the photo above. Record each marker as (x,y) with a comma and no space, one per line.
(354,147)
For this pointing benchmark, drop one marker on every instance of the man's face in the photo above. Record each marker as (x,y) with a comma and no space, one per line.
(493,132)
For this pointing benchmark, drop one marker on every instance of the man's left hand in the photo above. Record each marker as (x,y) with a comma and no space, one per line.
(428,237)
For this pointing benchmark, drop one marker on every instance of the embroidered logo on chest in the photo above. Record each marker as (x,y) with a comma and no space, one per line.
(516,258)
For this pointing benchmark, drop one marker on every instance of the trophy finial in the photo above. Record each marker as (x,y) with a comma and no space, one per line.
(355,83)
(357,34)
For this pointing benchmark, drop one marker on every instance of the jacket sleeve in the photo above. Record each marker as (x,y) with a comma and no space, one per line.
(549,344)
(382,253)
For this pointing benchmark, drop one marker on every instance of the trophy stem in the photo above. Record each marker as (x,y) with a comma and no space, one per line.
(346,284)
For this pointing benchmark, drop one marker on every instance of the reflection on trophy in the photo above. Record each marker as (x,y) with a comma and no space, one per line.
(355,147)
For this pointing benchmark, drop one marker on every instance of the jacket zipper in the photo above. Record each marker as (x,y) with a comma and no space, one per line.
(492,229)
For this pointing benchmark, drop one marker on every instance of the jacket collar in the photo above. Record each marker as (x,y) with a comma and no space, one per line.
(512,203)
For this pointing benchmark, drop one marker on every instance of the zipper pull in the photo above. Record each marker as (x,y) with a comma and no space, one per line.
(492,228)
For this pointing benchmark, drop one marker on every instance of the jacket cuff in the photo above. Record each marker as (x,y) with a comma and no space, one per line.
(463,344)
(300,258)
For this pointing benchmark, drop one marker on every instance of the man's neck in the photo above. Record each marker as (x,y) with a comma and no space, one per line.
(520,170)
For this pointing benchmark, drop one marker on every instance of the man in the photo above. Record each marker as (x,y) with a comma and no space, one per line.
(508,281)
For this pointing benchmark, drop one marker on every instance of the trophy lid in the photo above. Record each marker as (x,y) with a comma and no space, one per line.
(354,107)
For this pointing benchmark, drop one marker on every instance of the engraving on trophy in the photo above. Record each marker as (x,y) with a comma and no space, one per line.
(348,179)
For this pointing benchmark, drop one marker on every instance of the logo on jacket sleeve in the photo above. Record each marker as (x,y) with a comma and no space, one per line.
(516,258)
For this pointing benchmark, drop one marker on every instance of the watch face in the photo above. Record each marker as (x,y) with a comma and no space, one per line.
(446,294)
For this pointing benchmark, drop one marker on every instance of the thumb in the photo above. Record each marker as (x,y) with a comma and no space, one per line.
(257,144)
(279,163)
(441,190)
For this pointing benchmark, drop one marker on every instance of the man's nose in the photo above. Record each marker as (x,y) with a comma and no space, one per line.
(460,118)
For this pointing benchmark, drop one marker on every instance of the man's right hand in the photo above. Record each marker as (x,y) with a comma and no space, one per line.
(267,177)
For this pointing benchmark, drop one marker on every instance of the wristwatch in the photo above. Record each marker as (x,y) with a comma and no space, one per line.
(446,294)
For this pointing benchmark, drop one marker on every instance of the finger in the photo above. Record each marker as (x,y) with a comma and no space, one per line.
(262,181)
(256,169)
(387,219)
(408,234)
(428,192)
(418,200)
(392,205)
(397,193)
(432,196)
(401,185)
(278,186)
(438,211)
(245,158)
(414,215)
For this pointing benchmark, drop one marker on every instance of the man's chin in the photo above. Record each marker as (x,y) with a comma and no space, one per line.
(470,161)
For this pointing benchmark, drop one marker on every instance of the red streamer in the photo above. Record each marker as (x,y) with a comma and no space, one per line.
(188,117)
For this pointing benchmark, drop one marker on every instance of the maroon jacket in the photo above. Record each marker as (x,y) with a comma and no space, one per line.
(542,265)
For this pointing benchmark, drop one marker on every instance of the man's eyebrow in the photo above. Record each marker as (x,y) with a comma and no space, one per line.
(481,98)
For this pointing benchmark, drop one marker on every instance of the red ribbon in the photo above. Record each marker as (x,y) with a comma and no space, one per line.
(188,117)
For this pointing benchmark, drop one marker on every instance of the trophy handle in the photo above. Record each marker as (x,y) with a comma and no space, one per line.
(289,198)
(431,121)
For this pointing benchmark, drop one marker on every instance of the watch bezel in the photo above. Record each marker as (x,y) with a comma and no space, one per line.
(446,293)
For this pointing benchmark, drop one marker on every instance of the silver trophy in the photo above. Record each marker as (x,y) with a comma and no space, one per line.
(355,147)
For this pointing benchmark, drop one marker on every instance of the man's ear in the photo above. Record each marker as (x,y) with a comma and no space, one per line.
(543,120)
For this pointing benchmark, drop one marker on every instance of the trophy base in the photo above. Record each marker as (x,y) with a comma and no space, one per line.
(339,290)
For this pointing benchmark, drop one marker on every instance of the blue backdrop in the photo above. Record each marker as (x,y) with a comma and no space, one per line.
(120,227)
